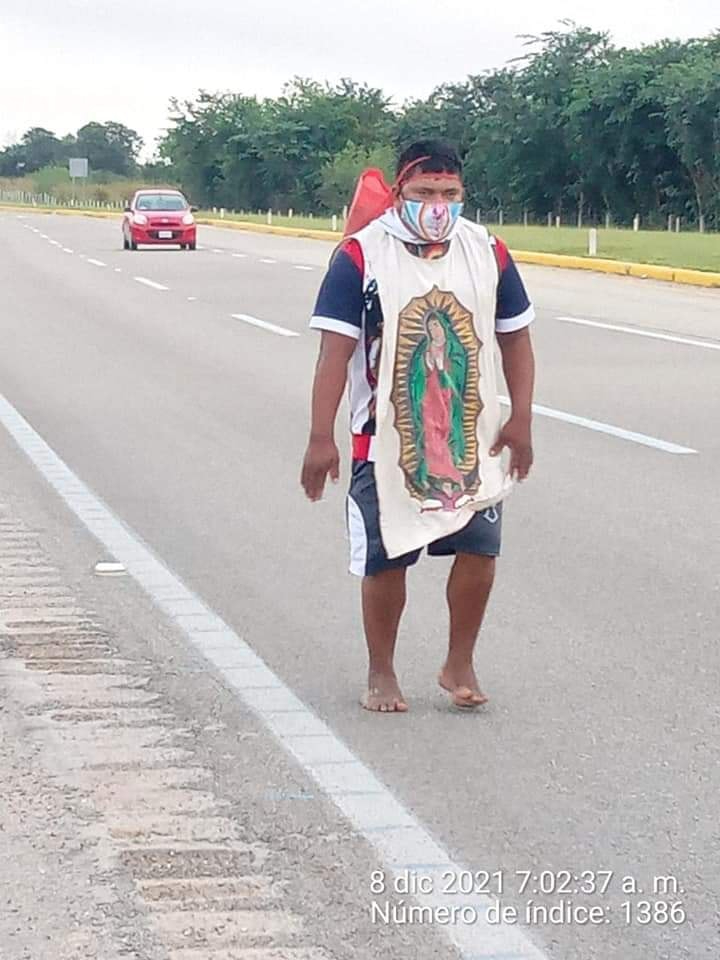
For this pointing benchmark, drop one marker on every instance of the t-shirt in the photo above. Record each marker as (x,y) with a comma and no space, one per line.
(344,305)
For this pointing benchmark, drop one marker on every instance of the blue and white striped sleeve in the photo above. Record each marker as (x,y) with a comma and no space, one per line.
(339,306)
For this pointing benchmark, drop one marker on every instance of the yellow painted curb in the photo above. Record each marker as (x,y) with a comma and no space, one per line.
(571,263)
(696,278)
(651,271)
(247,225)
(645,271)
(64,211)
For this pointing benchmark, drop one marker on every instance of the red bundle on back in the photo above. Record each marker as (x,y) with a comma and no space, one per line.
(373,195)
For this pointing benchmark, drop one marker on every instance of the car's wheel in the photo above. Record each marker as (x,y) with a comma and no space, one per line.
(133,245)
(192,245)
(183,246)
(126,243)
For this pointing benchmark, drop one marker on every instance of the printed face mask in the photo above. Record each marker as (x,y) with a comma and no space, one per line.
(430,222)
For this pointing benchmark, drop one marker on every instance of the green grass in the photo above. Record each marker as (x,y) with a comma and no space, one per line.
(694,250)
(689,249)
(305,223)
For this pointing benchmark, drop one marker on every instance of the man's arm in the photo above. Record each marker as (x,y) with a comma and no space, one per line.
(519,368)
(322,457)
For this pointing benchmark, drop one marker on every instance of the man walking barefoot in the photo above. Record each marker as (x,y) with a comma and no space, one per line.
(412,306)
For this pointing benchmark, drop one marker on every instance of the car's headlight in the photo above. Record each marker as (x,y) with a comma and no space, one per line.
(140,219)
(188,219)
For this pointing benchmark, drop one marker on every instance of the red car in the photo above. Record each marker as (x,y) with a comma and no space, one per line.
(159,216)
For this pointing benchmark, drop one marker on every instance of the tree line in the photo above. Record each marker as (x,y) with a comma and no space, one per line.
(576,128)
(111,148)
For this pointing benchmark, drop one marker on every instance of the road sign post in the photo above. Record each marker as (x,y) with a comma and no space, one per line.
(78,169)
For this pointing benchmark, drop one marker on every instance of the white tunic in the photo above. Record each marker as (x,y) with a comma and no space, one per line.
(437,410)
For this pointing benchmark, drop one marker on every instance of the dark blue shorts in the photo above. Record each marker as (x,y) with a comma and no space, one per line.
(481,536)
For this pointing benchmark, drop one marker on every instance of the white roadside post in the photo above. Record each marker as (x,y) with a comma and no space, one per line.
(269,217)
(636,222)
(677,225)
(557,222)
(334,222)
(670,222)
(593,242)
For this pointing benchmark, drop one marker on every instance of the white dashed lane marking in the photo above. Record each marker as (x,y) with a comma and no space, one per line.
(299,266)
(96,263)
(651,334)
(240,256)
(597,425)
(151,283)
(67,250)
(264,325)
(267,260)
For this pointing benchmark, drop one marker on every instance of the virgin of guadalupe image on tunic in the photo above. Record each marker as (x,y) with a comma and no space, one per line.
(437,401)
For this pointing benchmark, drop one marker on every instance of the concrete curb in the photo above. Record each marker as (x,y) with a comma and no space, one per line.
(306,233)
(644,271)
(623,268)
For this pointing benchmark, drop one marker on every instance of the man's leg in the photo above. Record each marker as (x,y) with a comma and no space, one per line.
(468,591)
(383,601)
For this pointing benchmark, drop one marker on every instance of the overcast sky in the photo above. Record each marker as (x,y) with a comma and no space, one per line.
(65,62)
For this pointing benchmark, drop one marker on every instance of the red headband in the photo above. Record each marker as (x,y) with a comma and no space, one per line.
(403,175)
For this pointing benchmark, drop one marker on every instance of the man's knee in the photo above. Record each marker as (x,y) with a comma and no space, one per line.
(479,567)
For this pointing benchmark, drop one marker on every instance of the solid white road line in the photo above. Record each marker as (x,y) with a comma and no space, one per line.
(400,840)
(273,328)
(267,260)
(151,283)
(96,263)
(608,428)
(706,344)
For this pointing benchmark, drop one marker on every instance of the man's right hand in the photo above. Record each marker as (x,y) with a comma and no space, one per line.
(321,458)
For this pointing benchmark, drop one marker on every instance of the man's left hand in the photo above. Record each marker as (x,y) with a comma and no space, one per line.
(516,435)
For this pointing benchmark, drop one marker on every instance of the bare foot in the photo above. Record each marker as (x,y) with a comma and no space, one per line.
(461,683)
(384,695)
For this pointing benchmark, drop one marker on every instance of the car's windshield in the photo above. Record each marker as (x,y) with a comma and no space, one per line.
(161,201)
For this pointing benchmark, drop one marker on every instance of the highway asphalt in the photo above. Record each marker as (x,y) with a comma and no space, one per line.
(176,386)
